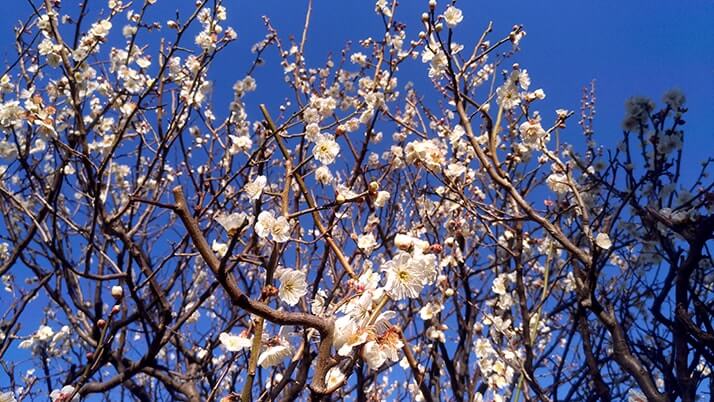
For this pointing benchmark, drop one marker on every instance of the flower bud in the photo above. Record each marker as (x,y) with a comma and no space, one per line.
(435,249)
(117,292)
(404,242)
(269,291)
(101,323)
(449,292)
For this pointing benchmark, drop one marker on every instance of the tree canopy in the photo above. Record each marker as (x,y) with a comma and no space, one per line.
(367,238)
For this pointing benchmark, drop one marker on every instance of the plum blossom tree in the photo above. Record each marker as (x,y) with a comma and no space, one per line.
(362,240)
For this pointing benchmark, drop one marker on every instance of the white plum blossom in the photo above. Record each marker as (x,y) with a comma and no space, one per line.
(325,149)
(312,132)
(382,7)
(44,333)
(334,377)
(436,332)
(359,58)
(7,397)
(241,143)
(522,77)
(501,374)
(367,242)
(348,335)
(293,286)
(499,285)
(64,394)
(40,338)
(385,347)
(219,248)
(405,278)
(276,350)
(430,310)
(235,343)
(268,226)
(603,241)
(323,175)
(232,222)
(507,95)
(538,94)
(317,306)
(558,183)
(247,84)
(453,16)
(353,329)
(381,199)
(406,242)
(532,133)
(368,282)
(255,188)
(11,114)
(428,152)
(100,29)
(454,170)
(51,51)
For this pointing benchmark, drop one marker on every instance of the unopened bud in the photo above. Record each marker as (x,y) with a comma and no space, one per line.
(404,242)
(117,292)
(435,249)
(449,292)
(425,17)
(116,309)
(270,291)
(101,323)
(373,187)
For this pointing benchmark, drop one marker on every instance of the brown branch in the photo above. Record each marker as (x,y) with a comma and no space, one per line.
(325,326)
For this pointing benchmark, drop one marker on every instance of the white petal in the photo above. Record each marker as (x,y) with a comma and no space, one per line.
(603,241)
